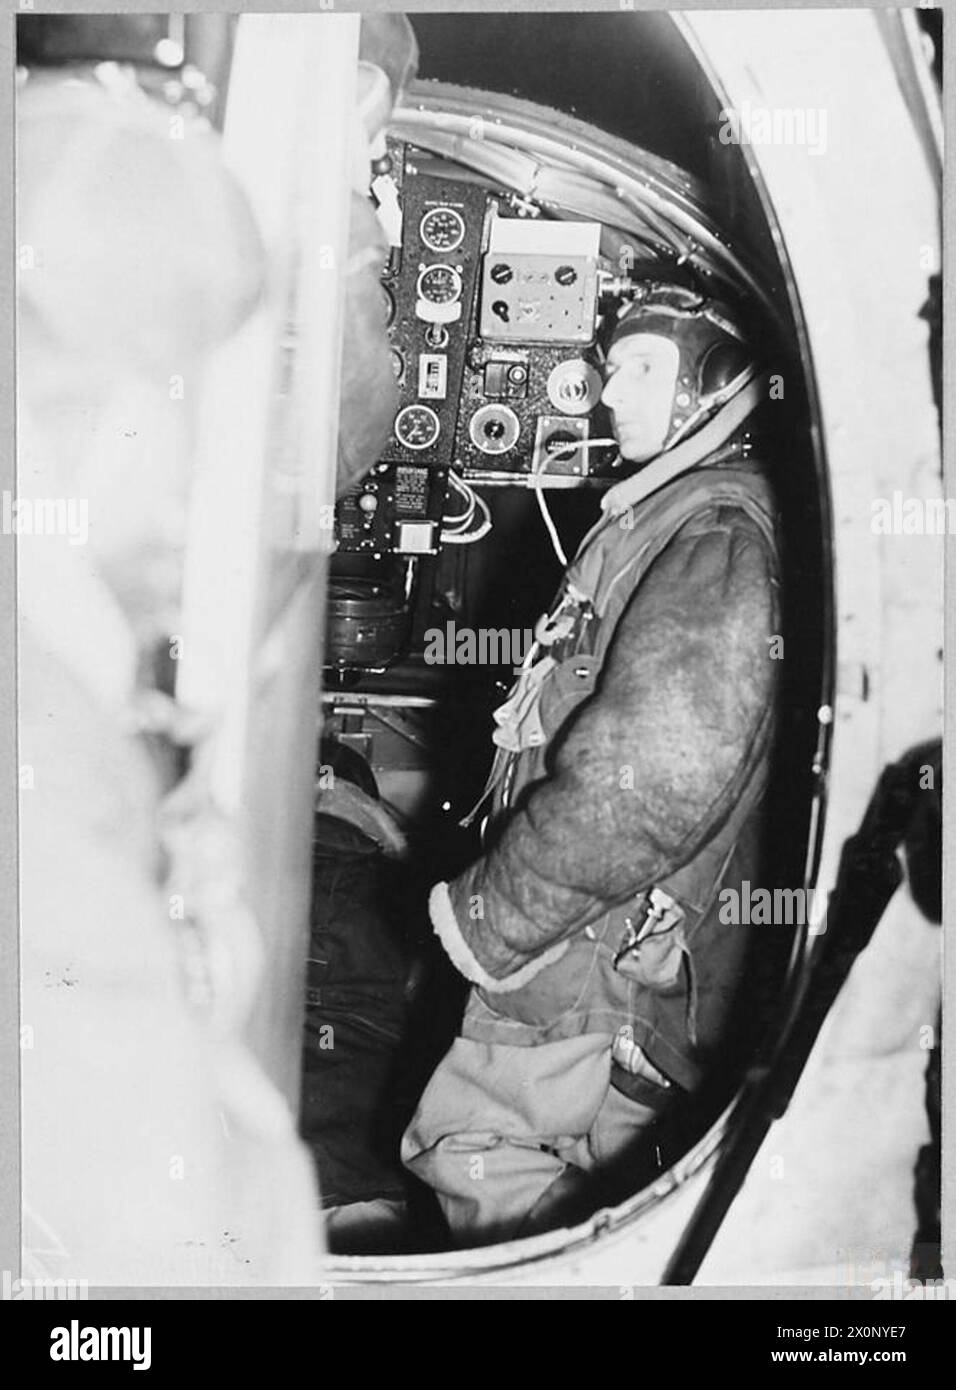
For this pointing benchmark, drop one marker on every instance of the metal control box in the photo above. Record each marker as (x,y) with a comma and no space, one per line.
(533,298)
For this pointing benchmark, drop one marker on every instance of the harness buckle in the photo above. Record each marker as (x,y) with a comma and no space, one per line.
(661,914)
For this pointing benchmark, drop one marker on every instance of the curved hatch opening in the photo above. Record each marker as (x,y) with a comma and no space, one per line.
(477,143)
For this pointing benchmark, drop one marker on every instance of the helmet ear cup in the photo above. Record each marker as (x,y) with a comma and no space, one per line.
(721,364)
(713,347)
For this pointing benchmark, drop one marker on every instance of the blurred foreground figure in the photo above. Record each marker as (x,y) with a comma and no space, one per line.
(154,1148)
(388,59)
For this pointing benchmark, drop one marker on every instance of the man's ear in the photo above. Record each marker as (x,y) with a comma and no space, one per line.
(388,40)
(374,100)
(722,365)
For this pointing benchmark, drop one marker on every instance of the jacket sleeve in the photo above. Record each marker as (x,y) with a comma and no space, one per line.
(637,776)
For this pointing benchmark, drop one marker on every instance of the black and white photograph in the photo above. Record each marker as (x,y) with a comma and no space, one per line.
(474,540)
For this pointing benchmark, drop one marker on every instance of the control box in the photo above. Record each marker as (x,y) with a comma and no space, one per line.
(522,407)
(396,509)
(539,282)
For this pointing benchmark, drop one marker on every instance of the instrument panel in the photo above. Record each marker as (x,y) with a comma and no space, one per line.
(491,318)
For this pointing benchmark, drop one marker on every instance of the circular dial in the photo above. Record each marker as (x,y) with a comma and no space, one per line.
(574,387)
(494,429)
(439,284)
(442,229)
(417,427)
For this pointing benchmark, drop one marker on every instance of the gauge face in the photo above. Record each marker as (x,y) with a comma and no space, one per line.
(442,229)
(494,429)
(574,387)
(417,427)
(439,284)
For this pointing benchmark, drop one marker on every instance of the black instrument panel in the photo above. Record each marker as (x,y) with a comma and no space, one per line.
(431,285)
(494,354)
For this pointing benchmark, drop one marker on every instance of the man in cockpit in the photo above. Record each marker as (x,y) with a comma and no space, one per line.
(631,761)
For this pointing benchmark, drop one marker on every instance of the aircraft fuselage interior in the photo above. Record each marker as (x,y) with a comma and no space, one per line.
(528,197)
(539,172)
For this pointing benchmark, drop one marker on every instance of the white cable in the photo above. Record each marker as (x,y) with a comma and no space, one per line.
(546,517)
(472,536)
(462,520)
(537,482)
(583,444)
(460,524)
(458,532)
(548,520)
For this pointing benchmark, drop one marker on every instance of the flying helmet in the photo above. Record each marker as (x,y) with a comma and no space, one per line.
(715,361)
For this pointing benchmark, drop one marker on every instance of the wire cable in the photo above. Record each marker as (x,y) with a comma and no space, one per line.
(458,530)
(537,482)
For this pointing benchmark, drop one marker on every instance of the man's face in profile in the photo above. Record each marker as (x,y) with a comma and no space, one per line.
(641,378)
